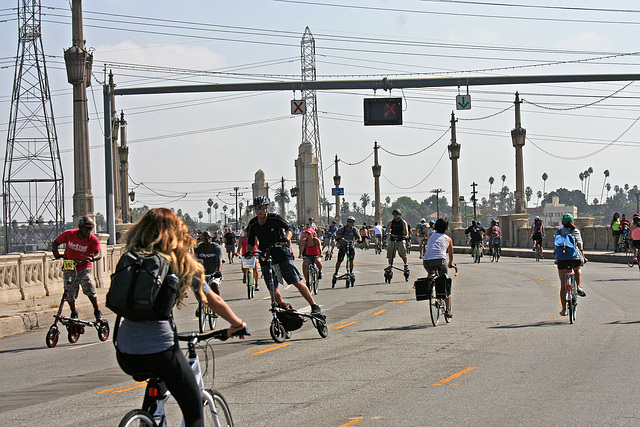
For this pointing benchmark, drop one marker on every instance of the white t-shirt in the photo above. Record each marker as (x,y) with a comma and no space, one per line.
(377,229)
(437,246)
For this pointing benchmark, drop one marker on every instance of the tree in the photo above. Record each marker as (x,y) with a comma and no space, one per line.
(215,207)
(528,192)
(539,194)
(209,203)
(200,215)
(587,176)
(544,184)
(581,176)
(365,199)
(491,181)
(503,178)
(604,183)
(608,187)
(224,209)
(282,195)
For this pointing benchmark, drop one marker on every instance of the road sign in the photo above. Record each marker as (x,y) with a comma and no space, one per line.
(298,106)
(337,191)
(382,111)
(463,102)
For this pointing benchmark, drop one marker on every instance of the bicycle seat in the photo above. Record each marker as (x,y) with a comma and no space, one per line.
(143,376)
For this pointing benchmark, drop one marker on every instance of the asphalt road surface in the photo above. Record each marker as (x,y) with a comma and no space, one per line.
(507,357)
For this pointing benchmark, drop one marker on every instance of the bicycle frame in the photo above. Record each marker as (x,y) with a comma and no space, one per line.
(571,295)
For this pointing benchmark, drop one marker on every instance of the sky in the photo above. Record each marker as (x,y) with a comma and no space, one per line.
(185,149)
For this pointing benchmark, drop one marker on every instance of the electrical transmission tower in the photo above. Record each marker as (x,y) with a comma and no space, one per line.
(310,129)
(33,195)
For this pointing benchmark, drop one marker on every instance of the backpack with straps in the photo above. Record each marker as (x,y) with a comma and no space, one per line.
(565,247)
(140,289)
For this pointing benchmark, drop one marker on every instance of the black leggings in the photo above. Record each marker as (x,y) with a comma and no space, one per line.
(173,368)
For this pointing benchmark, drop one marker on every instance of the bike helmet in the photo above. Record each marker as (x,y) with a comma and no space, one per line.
(396,212)
(432,222)
(260,201)
(350,218)
(537,218)
(86,222)
(423,220)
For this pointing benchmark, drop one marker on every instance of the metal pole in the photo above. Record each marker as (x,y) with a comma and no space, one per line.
(377,170)
(108,166)
(336,182)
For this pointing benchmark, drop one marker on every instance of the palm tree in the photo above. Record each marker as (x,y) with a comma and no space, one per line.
(224,209)
(365,199)
(282,198)
(209,212)
(539,196)
(503,178)
(209,203)
(544,184)
(200,215)
(581,176)
(491,181)
(528,192)
(215,208)
(608,187)
(588,173)
(606,175)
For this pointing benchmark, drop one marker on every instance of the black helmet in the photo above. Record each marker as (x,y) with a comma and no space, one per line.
(85,221)
(260,201)
(396,211)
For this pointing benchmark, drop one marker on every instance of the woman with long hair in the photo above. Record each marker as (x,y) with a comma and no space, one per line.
(149,346)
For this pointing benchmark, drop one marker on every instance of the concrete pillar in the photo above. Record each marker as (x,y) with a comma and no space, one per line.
(454,155)
(307,182)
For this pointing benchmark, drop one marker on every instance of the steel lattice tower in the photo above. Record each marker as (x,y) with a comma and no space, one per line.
(32,182)
(310,129)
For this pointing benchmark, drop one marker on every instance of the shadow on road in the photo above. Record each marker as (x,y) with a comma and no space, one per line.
(530,325)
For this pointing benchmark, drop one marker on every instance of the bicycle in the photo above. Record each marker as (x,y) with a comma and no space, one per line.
(495,249)
(75,327)
(249,264)
(629,256)
(329,252)
(623,242)
(378,247)
(348,276)
(283,316)
(571,294)
(314,274)
(388,271)
(537,248)
(477,252)
(153,413)
(436,292)
(204,313)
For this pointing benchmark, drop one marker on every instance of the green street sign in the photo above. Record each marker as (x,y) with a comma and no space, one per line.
(463,102)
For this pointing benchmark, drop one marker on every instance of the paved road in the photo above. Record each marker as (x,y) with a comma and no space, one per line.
(507,358)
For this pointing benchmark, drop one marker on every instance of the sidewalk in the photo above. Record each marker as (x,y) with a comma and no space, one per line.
(22,316)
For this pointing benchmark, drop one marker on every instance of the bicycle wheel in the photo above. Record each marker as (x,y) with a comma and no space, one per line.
(212,318)
(629,256)
(434,306)
(73,336)
(476,254)
(313,276)
(136,418)
(218,414)
(103,331)
(321,326)
(201,315)
(315,284)
(277,332)
(443,308)
(537,254)
(251,287)
(52,336)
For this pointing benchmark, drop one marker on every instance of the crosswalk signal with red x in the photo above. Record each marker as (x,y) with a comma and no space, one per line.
(382,111)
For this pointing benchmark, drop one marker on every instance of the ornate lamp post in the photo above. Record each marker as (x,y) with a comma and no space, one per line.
(78,64)
(454,155)
(518,135)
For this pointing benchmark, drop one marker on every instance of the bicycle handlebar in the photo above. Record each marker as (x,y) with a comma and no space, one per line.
(221,335)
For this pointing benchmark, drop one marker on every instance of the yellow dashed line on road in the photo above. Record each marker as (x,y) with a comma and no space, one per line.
(343,326)
(454,376)
(123,388)
(269,348)
(539,278)
(353,422)
(378,312)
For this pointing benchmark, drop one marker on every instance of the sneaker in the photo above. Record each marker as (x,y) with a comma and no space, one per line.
(257,288)
(74,314)
(319,275)
(635,259)
(563,313)
(448,314)
(98,314)
(286,306)
(581,292)
(315,308)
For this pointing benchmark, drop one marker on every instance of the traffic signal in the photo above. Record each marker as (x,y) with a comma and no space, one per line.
(382,111)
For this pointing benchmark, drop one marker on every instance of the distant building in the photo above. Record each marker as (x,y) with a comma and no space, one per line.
(552,212)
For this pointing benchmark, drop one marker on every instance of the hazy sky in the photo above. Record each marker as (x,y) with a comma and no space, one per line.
(185,149)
